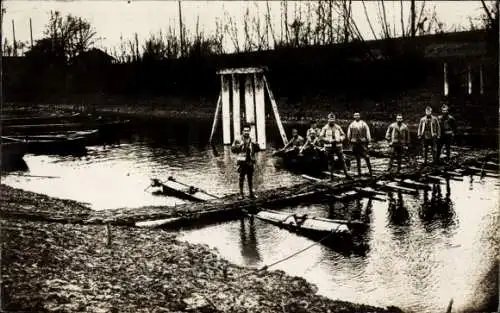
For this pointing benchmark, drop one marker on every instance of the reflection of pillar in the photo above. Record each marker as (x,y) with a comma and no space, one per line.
(481,81)
(249,105)
(469,79)
(236,106)
(260,111)
(226,110)
(445,75)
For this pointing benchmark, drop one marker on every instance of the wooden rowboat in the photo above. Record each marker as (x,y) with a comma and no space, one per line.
(177,189)
(312,161)
(310,226)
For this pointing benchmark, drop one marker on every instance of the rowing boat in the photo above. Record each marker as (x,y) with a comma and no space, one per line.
(180,190)
(311,160)
(311,226)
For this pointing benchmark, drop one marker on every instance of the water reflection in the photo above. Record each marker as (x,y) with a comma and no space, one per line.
(248,241)
(398,213)
(437,209)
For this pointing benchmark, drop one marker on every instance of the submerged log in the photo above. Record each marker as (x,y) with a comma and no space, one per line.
(395,187)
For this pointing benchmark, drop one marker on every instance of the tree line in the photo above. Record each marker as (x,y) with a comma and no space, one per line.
(316,23)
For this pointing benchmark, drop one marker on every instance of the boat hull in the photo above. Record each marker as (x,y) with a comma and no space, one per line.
(311,161)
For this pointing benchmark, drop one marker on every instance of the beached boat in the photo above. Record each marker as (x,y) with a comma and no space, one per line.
(55,143)
(313,227)
(180,190)
(12,153)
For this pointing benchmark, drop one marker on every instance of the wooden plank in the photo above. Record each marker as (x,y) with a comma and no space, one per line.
(250,106)
(226,110)
(236,107)
(334,174)
(412,183)
(216,119)
(156,223)
(243,70)
(275,110)
(477,169)
(260,111)
(311,178)
(346,195)
(369,190)
(393,186)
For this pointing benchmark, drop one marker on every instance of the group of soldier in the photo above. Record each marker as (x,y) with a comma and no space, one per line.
(434,133)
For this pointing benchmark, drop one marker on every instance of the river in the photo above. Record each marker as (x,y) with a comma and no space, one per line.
(422,250)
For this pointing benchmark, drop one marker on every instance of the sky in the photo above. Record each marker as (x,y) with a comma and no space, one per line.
(122,18)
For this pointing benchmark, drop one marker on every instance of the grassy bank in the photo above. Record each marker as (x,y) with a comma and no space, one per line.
(55,267)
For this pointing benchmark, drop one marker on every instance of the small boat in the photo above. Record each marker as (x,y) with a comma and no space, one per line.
(56,143)
(172,187)
(313,227)
(313,161)
(12,153)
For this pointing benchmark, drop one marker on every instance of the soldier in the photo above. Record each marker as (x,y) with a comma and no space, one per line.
(312,137)
(295,142)
(245,149)
(332,136)
(429,132)
(448,128)
(398,136)
(359,136)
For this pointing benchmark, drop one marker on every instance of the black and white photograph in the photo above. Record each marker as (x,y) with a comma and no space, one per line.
(260,156)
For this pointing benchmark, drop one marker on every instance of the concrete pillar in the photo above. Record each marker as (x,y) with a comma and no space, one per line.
(236,106)
(226,110)
(445,76)
(250,105)
(260,110)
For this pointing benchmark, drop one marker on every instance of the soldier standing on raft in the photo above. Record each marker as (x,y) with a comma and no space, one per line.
(332,136)
(398,136)
(359,136)
(245,149)
(448,128)
(429,132)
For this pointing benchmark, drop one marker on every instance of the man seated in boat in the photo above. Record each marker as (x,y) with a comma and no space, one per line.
(295,143)
(245,149)
(312,141)
(332,137)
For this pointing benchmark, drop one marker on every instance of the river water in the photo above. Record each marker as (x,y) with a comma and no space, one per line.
(422,250)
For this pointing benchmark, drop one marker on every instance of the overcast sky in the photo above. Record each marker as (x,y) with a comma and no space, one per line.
(113,19)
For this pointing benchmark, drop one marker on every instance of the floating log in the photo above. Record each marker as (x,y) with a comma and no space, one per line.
(334,174)
(477,169)
(395,187)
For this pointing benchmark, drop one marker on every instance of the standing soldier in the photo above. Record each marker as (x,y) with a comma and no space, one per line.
(448,128)
(359,136)
(332,136)
(245,149)
(429,132)
(398,136)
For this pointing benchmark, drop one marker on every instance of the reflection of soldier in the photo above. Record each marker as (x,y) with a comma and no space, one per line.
(249,248)
(398,214)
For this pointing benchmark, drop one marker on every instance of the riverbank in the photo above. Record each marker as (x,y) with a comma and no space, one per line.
(55,267)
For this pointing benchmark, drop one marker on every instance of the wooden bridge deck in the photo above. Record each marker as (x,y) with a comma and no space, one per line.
(230,207)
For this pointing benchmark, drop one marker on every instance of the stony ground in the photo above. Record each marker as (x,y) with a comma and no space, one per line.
(65,267)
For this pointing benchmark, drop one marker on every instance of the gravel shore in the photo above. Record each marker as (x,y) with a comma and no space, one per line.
(56,267)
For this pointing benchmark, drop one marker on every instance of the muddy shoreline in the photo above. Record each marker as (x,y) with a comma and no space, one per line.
(56,267)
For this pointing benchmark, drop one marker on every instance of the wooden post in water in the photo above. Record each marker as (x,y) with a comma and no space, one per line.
(260,110)
(481,81)
(469,79)
(226,110)
(250,105)
(236,106)
(445,75)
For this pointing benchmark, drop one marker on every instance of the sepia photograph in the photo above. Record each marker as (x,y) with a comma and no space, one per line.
(261,156)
